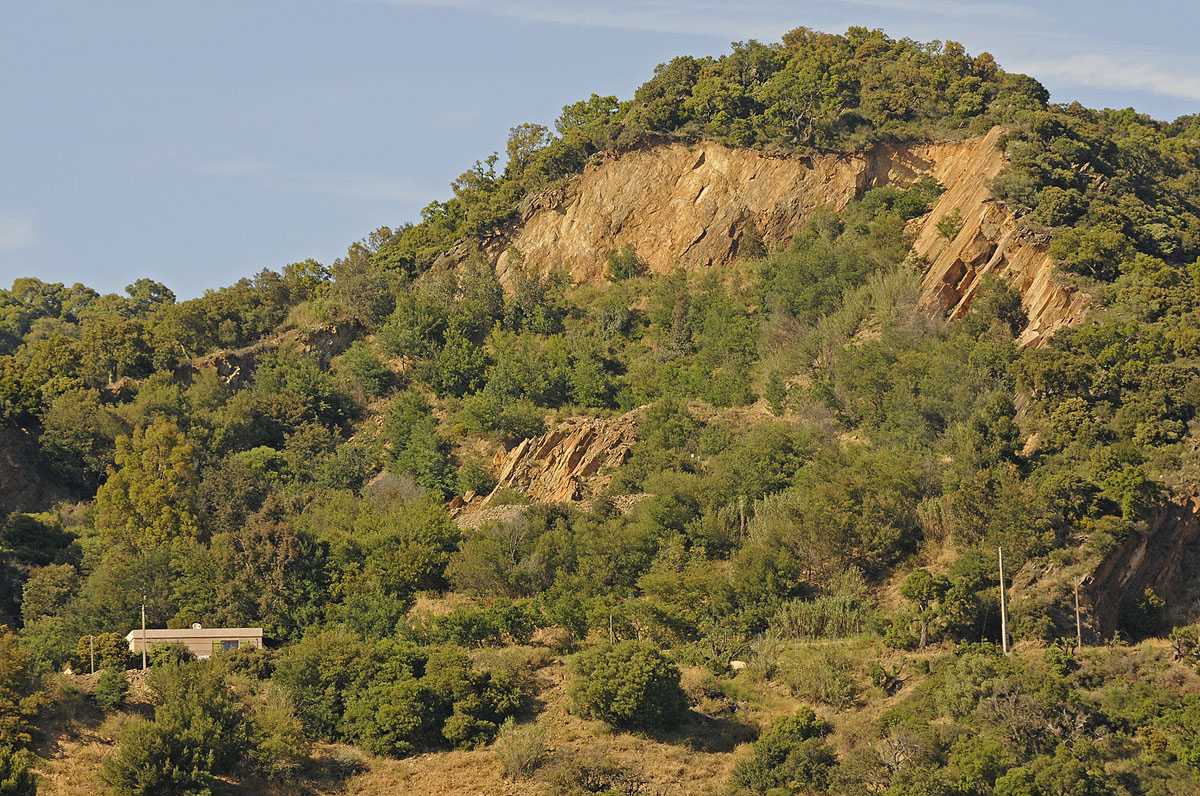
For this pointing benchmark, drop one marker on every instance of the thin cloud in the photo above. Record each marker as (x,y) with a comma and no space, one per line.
(232,168)
(765,20)
(1139,72)
(15,233)
(347,186)
(381,189)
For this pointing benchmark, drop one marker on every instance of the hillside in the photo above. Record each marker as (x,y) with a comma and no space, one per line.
(692,206)
(673,457)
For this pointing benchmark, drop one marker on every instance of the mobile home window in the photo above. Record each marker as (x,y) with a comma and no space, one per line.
(228,645)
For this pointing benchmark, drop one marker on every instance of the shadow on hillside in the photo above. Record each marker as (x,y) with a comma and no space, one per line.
(703,733)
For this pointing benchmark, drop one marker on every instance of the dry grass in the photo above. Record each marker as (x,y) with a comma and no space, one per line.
(671,765)
(693,761)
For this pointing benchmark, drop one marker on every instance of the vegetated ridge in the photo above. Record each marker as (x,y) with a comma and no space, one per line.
(671,457)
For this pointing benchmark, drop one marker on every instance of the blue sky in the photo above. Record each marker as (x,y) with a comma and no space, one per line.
(198,142)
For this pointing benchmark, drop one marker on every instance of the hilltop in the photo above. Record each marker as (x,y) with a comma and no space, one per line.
(673,457)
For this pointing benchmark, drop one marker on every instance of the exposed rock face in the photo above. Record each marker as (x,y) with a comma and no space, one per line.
(690,206)
(678,204)
(1163,556)
(25,484)
(988,243)
(570,462)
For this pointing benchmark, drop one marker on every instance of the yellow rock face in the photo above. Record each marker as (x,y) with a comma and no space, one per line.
(689,206)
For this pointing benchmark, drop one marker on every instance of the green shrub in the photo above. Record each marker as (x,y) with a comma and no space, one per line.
(791,755)
(167,654)
(15,777)
(625,264)
(152,761)
(391,718)
(825,677)
(520,749)
(112,689)
(594,773)
(1142,616)
(630,686)
(257,663)
(320,673)
(277,747)
(949,225)
(366,366)
(196,708)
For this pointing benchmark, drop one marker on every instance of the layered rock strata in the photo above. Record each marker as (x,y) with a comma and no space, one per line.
(691,206)
(573,461)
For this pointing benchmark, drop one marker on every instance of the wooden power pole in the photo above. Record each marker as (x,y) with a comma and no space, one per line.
(1078,624)
(1003,607)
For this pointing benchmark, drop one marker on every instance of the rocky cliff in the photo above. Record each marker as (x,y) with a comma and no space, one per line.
(989,242)
(691,205)
(1163,555)
(573,461)
(26,482)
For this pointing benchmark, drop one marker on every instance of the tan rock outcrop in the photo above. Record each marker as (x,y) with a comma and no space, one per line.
(679,205)
(690,205)
(573,461)
(989,242)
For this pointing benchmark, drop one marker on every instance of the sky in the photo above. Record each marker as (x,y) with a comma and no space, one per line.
(197,142)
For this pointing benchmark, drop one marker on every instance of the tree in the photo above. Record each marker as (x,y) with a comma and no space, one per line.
(15,777)
(417,447)
(459,366)
(149,497)
(79,436)
(111,651)
(630,686)
(18,699)
(1096,252)
(270,573)
(923,591)
(111,689)
(624,264)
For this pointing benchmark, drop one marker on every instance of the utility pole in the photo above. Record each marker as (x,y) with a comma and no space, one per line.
(1078,624)
(1003,608)
(143,635)
(92,649)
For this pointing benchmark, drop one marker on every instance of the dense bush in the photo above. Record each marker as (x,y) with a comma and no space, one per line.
(199,730)
(791,755)
(151,760)
(629,685)
(112,689)
(15,777)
